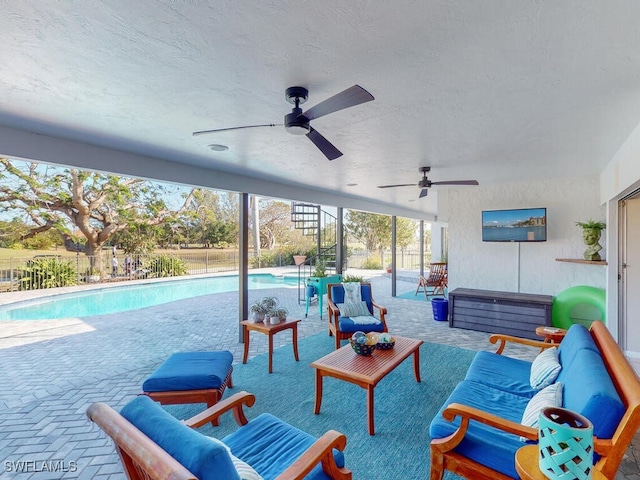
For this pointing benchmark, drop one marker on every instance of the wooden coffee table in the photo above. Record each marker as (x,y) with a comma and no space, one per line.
(270,330)
(345,364)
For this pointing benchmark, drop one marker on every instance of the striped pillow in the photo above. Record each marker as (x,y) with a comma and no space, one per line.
(359,309)
(245,471)
(550,396)
(545,369)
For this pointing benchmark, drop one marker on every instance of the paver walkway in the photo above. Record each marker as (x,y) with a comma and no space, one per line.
(50,376)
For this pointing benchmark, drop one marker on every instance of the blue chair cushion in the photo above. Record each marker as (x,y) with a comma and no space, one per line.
(576,339)
(501,372)
(270,445)
(592,395)
(486,445)
(207,460)
(349,326)
(190,371)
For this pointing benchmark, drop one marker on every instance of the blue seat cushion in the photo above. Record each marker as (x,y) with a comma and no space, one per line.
(482,443)
(502,372)
(270,445)
(207,460)
(190,371)
(349,326)
(576,339)
(588,390)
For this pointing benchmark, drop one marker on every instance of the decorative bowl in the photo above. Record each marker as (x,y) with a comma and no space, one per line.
(362,348)
(386,345)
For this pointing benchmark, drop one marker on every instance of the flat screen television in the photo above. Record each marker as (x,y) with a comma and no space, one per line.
(518,225)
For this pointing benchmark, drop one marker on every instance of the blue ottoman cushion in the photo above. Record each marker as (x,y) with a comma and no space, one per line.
(190,371)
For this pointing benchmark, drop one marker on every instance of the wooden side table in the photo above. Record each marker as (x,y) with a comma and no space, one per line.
(270,330)
(527,461)
(551,334)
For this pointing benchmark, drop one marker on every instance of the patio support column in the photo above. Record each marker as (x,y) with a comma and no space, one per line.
(421,248)
(340,257)
(243,267)
(393,256)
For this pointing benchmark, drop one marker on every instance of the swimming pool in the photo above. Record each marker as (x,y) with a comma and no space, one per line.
(131,297)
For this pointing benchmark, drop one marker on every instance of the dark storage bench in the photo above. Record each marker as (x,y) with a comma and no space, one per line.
(509,313)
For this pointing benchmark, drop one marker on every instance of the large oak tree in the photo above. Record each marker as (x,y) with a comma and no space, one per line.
(98,205)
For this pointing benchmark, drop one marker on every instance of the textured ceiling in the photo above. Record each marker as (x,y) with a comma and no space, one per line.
(496,91)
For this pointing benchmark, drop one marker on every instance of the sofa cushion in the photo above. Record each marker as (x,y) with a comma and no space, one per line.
(545,368)
(588,390)
(270,445)
(486,445)
(576,339)
(337,295)
(550,396)
(207,460)
(245,471)
(190,371)
(502,372)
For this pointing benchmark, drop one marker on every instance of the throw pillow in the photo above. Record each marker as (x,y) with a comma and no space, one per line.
(245,470)
(550,396)
(545,369)
(359,309)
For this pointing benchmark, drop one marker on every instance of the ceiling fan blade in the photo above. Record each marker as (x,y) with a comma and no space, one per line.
(323,144)
(347,98)
(204,132)
(423,193)
(457,182)
(401,185)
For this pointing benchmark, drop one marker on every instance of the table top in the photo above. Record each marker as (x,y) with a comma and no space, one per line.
(552,333)
(348,364)
(267,327)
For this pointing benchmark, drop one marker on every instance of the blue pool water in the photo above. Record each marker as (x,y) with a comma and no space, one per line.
(131,297)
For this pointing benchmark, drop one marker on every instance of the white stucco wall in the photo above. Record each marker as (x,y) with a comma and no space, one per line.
(524,267)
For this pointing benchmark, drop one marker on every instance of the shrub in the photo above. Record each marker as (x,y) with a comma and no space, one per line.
(167,266)
(48,273)
(371,263)
(352,279)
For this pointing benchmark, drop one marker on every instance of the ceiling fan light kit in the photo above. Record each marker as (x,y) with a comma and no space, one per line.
(297,122)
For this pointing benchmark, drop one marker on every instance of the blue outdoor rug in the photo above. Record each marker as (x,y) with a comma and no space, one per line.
(403,407)
(420,296)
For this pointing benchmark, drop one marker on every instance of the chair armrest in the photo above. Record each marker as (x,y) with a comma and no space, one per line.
(383,310)
(320,451)
(503,339)
(234,403)
(467,414)
(332,308)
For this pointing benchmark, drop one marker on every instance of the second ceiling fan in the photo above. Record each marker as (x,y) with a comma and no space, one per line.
(298,122)
(424,184)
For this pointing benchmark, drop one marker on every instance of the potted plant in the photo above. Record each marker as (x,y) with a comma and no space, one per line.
(299,258)
(320,270)
(278,315)
(258,311)
(591,232)
(352,279)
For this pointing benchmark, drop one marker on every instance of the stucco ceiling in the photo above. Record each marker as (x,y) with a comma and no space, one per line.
(497,91)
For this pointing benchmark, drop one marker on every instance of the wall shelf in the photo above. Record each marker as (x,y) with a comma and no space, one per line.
(579,260)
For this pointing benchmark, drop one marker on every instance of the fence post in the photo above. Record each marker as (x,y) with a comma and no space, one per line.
(206,262)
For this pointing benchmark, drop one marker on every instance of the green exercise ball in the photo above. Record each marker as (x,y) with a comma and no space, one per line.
(569,298)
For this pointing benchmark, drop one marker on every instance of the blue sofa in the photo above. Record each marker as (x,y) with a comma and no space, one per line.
(477,431)
(151,440)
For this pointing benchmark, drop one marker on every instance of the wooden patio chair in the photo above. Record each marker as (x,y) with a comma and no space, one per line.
(436,282)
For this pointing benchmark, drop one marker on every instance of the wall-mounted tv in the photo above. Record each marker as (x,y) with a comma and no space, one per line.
(521,225)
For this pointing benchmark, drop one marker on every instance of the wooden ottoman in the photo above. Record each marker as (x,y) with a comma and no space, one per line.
(191,377)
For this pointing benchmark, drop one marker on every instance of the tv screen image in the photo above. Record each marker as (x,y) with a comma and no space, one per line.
(518,225)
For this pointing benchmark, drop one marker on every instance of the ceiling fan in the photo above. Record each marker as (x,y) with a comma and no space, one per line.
(297,122)
(425,183)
